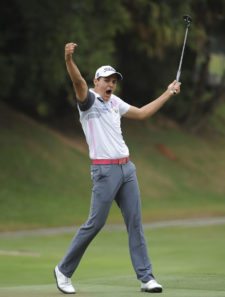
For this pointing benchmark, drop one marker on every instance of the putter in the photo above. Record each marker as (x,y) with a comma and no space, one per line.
(187,20)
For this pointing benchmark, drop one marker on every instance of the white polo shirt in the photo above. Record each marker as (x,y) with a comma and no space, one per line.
(101,123)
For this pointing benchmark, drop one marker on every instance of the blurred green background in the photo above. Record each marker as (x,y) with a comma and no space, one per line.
(141,38)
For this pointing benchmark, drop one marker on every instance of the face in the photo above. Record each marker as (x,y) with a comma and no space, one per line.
(105,86)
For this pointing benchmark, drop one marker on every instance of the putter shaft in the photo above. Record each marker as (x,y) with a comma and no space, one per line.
(188,20)
(182,55)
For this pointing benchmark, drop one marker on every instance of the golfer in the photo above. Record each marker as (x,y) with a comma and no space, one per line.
(112,172)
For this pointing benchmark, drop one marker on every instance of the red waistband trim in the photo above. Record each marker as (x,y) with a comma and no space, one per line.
(110,161)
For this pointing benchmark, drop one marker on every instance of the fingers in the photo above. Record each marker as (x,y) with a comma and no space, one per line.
(70,48)
(174,87)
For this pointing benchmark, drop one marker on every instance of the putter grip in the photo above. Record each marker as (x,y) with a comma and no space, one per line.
(178,75)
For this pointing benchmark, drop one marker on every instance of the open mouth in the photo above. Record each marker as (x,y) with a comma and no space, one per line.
(108,92)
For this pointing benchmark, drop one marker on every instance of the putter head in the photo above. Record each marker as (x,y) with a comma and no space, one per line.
(187,20)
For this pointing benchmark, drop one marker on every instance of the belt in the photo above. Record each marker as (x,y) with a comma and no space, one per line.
(110,161)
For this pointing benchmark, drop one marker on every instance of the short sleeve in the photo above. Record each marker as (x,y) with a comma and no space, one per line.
(123,106)
(88,102)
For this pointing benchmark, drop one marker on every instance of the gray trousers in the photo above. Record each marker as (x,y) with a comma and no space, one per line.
(119,183)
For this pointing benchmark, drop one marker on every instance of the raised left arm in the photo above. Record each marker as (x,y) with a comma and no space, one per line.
(151,108)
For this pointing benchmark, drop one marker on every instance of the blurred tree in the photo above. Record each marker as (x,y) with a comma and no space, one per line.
(31,47)
(150,50)
(142,38)
(33,34)
(207,93)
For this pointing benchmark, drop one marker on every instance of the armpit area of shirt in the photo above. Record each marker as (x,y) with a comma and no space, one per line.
(88,102)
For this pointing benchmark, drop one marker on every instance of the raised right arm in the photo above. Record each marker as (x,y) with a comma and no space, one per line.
(79,83)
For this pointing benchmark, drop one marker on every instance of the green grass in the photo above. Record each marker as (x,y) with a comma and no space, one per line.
(217,121)
(42,174)
(188,185)
(188,261)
